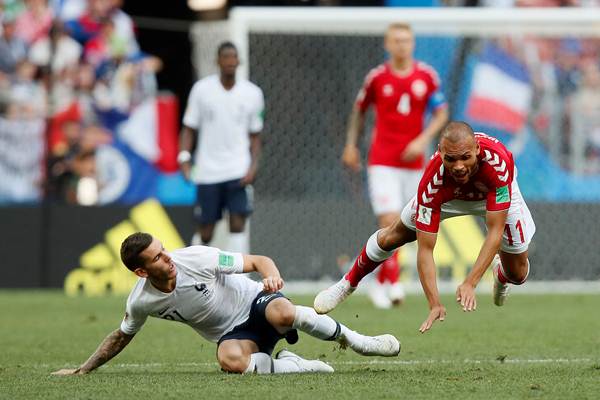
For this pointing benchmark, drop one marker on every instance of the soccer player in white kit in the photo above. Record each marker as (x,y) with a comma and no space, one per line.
(470,174)
(203,287)
(224,118)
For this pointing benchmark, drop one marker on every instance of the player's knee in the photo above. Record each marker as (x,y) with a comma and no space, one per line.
(234,362)
(284,314)
(518,272)
(395,236)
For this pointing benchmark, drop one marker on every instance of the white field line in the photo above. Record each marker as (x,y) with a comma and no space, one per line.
(356,363)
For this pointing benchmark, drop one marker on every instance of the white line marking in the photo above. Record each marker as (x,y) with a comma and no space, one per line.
(355,362)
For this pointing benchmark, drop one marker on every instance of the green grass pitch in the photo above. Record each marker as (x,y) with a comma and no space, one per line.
(536,346)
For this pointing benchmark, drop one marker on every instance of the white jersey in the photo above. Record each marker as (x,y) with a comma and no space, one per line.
(206,297)
(224,119)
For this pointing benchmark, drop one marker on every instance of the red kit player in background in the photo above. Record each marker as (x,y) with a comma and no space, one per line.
(470,174)
(402,90)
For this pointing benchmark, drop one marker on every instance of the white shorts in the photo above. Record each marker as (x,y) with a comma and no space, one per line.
(390,187)
(519,229)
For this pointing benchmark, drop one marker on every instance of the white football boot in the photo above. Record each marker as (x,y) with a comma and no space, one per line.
(378,295)
(382,345)
(396,294)
(500,289)
(329,298)
(304,365)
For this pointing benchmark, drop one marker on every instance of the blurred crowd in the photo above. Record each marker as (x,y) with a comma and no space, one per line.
(72,65)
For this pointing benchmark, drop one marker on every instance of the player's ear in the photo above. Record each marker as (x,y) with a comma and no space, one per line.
(141,272)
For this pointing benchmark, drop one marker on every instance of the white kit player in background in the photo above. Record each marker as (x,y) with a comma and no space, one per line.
(470,174)
(223,121)
(204,288)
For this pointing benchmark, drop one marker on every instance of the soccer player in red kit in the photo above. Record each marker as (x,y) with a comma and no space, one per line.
(401,90)
(470,174)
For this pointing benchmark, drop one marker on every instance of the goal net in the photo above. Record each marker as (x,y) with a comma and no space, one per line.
(527,76)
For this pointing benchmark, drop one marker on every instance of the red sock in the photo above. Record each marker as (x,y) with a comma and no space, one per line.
(362,266)
(389,270)
(501,277)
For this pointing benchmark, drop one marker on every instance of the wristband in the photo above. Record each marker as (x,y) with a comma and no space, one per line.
(183,157)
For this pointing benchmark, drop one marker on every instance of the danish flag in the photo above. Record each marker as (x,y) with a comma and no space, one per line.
(433,186)
(498,164)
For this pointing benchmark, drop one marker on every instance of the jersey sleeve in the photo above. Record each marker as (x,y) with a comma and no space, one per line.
(429,202)
(258,113)
(210,259)
(366,94)
(498,198)
(436,97)
(499,170)
(134,318)
(191,117)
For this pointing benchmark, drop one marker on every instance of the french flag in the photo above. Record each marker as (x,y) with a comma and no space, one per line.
(500,91)
(151,131)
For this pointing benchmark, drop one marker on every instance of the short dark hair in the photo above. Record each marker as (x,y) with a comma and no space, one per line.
(132,247)
(224,46)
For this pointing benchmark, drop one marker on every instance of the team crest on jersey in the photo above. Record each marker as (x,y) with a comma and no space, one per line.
(424,215)
(419,88)
(388,90)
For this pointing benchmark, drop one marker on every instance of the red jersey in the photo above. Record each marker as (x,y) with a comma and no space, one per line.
(491,184)
(400,105)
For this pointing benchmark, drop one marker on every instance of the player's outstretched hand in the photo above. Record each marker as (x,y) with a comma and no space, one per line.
(436,313)
(465,296)
(272,284)
(65,372)
(351,158)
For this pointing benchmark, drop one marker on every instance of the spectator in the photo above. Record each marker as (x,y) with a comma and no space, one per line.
(35,22)
(13,49)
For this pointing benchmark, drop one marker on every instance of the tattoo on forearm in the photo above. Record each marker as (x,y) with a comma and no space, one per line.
(110,347)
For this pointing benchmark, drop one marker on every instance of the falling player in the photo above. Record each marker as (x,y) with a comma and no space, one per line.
(470,174)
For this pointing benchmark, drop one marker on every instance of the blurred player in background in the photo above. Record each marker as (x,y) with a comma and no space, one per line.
(223,120)
(470,174)
(201,287)
(402,90)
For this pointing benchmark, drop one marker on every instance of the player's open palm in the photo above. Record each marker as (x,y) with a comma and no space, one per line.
(272,284)
(351,158)
(436,313)
(465,296)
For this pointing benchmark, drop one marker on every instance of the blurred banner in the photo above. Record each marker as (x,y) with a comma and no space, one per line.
(22,145)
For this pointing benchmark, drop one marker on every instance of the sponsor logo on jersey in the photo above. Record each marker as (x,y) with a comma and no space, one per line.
(225,260)
(419,88)
(388,90)
(424,215)
(502,195)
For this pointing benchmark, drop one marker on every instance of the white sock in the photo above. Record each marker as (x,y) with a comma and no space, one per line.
(196,241)
(376,253)
(238,243)
(262,363)
(352,337)
(320,326)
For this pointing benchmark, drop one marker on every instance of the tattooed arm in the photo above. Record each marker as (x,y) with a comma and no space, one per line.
(110,347)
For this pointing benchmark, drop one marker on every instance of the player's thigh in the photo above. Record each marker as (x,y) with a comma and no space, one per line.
(209,200)
(519,228)
(280,313)
(238,198)
(233,355)
(385,189)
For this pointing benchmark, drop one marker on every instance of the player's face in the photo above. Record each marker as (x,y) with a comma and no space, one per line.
(460,158)
(399,43)
(228,61)
(158,264)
